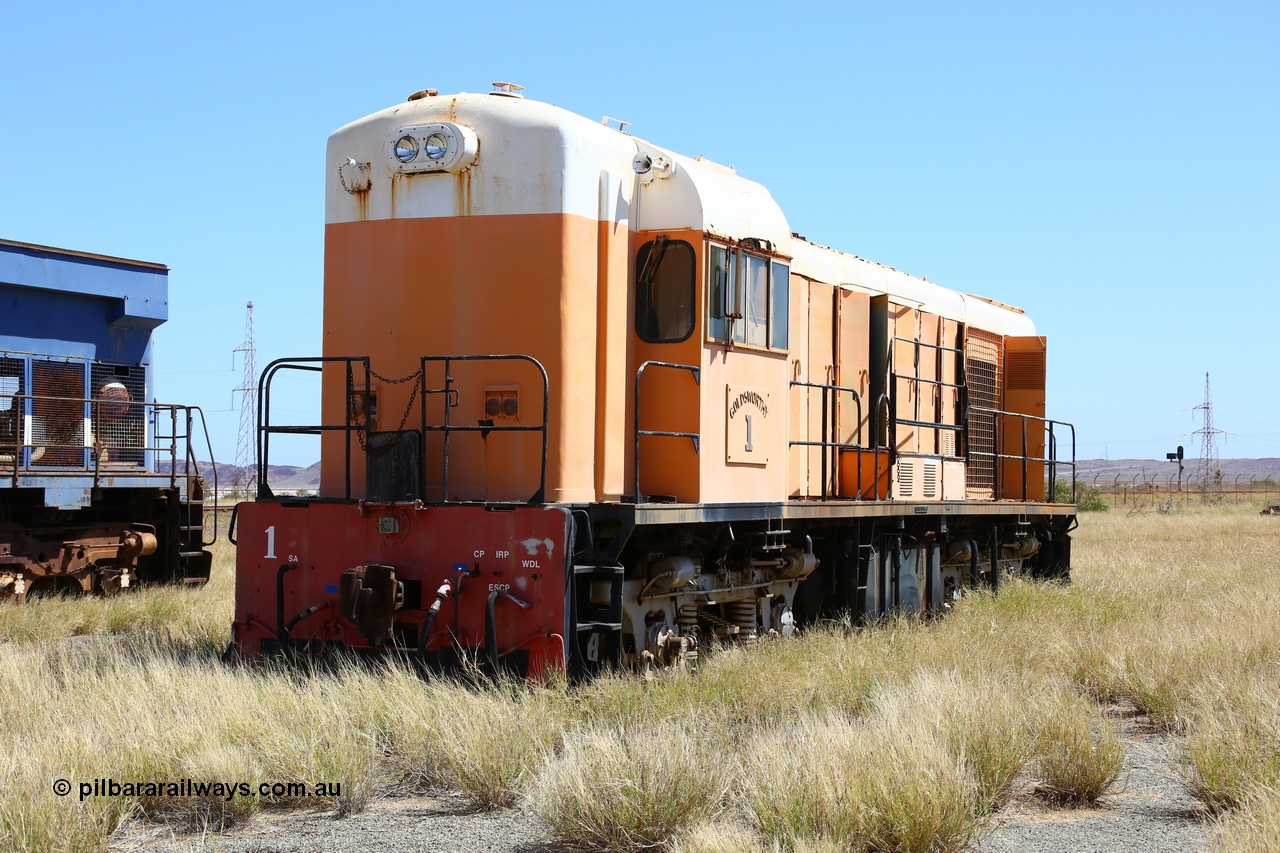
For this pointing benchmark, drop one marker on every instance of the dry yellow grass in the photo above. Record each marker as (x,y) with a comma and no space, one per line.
(1255,828)
(200,614)
(1174,613)
(634,787)
(884,783)
(1079,757)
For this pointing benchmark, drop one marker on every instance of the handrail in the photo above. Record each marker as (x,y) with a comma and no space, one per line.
(450,402)
(1050,457)
(190,462)
(213,465)
(314,364)
(697,378)
(961,385)
(97,445)
(832,446)
(883,405)
(352,366)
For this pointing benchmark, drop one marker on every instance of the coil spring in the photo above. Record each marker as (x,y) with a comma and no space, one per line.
(687,619)
(743,614)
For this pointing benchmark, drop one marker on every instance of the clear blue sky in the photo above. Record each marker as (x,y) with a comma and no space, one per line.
(1113,168)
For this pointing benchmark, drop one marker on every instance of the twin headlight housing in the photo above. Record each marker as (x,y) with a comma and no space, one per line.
(436,147)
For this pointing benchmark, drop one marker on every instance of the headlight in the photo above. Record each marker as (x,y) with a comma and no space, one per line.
(437,147)
(406,148)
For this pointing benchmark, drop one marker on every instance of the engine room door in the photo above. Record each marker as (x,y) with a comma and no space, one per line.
(821,371)
(1024,393)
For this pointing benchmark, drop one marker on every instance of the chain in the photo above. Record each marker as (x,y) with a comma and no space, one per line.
(378,376)
(413,395)
(342,179)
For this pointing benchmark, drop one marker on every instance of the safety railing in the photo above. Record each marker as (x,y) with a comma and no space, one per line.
(90,436)
(182,433)
(936,386)
(1024,442)
(357,378)
(639,433)
(883,416)
(266,429)
(831,447)
(451,401)
(100,439)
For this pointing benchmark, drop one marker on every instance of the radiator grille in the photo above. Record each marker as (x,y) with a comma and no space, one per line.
(119,420)
(57,425)
(982,361)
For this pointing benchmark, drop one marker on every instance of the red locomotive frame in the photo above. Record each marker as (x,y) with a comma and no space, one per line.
(499,573)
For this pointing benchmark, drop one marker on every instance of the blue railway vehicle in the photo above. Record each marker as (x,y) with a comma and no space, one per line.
(99,488)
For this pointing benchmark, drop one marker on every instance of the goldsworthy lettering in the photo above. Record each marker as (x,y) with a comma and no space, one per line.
(751,397)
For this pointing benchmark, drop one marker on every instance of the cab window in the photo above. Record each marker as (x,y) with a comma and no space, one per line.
(748,298)
(664,291)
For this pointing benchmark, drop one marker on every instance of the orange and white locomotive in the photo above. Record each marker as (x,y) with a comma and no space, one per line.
(587,401)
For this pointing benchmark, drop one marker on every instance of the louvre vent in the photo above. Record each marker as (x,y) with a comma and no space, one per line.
(1025,371)
(929,482)
(906,479)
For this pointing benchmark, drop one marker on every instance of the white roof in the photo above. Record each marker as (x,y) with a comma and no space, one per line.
(535,158)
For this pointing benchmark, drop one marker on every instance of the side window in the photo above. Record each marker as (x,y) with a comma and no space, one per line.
(720,292)
(748,298)
(664,291)
(755,298)
(779,305)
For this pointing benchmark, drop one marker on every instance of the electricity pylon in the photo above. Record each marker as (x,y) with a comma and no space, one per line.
(246,476)
(1210,472)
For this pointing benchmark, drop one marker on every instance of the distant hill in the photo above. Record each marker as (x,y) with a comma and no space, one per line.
(287,478)
(283,478)
(1102,471)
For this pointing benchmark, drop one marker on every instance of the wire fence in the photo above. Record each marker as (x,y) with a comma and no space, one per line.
(1164,490)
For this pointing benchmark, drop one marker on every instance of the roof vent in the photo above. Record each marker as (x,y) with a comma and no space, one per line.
(423,93)
(507,90)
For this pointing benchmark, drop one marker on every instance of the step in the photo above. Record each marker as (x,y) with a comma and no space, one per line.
(584,627)
(599,571)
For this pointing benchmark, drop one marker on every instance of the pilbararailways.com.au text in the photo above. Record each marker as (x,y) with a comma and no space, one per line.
(193,788)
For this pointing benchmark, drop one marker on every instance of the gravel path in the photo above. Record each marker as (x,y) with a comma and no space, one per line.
(1153,812)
